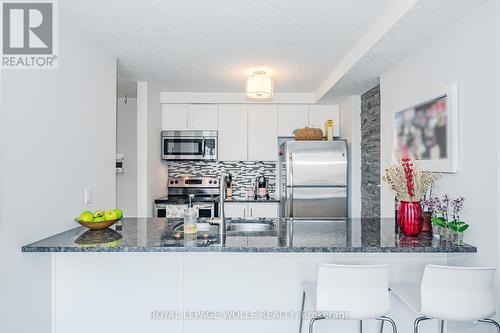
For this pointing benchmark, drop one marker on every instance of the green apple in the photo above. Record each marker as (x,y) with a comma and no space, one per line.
(99,219)
(98,213)
(86,216)
(110,215)
(119,213)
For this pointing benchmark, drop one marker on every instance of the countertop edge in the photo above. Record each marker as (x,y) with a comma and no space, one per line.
(428,250)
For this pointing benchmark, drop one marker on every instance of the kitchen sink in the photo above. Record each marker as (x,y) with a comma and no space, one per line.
(234,226)
(203,227)
(249,227)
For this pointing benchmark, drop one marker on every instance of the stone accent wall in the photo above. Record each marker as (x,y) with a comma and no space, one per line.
(370,153)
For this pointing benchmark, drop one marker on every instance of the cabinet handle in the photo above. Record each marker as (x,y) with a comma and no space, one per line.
(187,122)
(244,212)
(251,212)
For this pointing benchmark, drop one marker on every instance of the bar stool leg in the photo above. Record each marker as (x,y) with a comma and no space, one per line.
(360,326)
(301,319)
(311,323)
(393,324)
(442,326)
(417,322)
(491,322)
(381,326)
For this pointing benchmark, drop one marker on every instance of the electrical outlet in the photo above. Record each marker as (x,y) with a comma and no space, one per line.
(88,195)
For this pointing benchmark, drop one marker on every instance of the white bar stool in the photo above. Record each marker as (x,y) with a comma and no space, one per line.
(457,294)
(361,291)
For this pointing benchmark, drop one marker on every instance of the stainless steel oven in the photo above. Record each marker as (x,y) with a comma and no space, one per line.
(206,197)
(189,145)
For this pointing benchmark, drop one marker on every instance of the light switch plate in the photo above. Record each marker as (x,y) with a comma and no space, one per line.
(88,195)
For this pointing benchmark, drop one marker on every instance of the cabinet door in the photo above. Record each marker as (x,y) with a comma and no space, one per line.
(318,114)
(232,132)
(262,133)
(175,116)
(236,210)
(292,117)
(266,210)
(203,116)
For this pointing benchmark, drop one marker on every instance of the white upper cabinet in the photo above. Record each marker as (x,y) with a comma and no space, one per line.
(320,113)
(262,132)
(175,116)
(292,117)
(189,116)
(203,116)
(232,132)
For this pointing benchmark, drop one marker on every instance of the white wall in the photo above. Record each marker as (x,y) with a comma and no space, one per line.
(126,143)
(151,170)
(465,54)
(350,129)
(157,168)
(498,145)
(57,137)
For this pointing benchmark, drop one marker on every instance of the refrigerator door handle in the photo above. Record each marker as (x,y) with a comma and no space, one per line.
(290,163)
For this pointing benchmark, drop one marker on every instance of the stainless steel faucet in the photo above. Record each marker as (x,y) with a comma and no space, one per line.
(222,198)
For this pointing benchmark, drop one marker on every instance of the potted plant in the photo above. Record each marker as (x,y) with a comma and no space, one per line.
(450,229)
(409,184)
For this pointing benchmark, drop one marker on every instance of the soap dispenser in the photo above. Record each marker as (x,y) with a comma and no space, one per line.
(190,217)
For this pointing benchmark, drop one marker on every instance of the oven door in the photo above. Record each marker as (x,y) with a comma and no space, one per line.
(206,210)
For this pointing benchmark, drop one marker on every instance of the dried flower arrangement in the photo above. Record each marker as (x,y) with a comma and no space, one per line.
(408,181)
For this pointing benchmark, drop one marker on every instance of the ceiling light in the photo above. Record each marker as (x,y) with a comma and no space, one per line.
(259,85)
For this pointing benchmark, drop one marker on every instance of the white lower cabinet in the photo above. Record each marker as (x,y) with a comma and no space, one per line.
(249,210)
(235,210)
(267,210)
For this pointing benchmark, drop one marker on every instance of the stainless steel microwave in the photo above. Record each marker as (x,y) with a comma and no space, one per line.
(189,145)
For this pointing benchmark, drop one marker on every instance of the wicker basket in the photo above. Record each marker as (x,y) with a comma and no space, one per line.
(309,134)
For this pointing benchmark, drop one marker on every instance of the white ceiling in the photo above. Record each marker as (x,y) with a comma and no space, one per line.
(206,46)
(324,47)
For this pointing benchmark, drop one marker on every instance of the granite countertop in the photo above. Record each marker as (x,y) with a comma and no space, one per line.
(165,235)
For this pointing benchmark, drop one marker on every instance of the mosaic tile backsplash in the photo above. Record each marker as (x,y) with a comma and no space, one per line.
(244,172)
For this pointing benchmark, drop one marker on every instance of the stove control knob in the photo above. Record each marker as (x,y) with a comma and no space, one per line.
(177,182)
(171,182)
(210,182)
(215,182)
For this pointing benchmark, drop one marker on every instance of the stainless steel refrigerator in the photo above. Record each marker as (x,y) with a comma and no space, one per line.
(313,179)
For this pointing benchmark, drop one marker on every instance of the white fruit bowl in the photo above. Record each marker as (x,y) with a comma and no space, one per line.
(97,225)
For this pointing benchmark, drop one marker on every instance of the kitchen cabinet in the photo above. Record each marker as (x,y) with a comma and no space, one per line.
(266,210)
(319,113)
(203,116)
(175,116)
(251,210)
(232,132)
(189,116)
(292,117)
(235,210)
(262,132)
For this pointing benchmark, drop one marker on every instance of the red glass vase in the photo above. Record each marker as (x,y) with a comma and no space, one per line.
(410,218)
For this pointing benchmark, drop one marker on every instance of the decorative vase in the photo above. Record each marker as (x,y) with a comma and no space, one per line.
(458,237)
(410,218)
(427,226)
(436,231)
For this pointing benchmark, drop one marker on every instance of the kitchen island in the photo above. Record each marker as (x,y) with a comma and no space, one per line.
(255,235)
(145,275)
